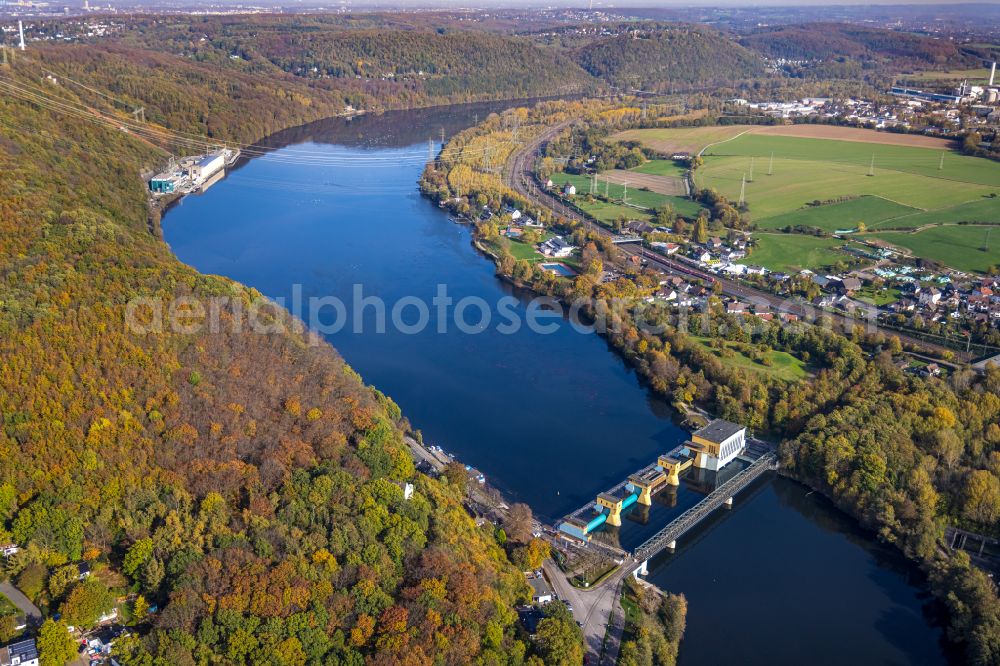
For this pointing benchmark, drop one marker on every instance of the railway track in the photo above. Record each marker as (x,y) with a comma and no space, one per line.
(518,174)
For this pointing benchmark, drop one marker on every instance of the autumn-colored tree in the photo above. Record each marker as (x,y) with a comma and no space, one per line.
(55,645)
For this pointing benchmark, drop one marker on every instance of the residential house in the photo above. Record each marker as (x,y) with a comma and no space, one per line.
(569,190)
(541,593)
(930,296)
(735,307)
(9,549)
(21,653)
(639,227)
(667,294)
(849,285)
(556,247)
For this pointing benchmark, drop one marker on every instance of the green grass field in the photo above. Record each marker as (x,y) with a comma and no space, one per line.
(888,158)
(7,607)
(983,209)
(958,246)
(782,365)
(662,168)
(793,252)
(877,296)
(845,215)
(795,183)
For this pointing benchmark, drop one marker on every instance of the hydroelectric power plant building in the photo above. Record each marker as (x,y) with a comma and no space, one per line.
(710,448)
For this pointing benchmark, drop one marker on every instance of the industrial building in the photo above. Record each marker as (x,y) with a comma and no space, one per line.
(194,173)
(710,448)
(162,185)
(207,167)
(717,444)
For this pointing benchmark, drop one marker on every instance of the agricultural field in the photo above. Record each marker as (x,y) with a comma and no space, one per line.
(867,210)
(855,134)
(973,76)
(661,184)
(960,246)
(892,181)
(641,202)
(779,364)
(939,164)
(789,253)
(681,139)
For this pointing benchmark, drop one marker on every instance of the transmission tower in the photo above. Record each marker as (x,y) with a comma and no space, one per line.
(871,169)
(743,189)
(941,165)
(770,165)
(750,180)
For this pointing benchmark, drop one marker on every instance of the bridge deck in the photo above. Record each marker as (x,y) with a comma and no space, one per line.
(712,501)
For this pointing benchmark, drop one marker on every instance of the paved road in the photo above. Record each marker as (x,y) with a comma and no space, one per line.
(518,174)
(594,608)
(30,610)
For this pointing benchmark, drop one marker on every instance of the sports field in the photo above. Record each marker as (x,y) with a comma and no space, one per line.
(960,246)
(792,252)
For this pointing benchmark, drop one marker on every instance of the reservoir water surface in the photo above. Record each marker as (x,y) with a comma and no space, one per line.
(550,418)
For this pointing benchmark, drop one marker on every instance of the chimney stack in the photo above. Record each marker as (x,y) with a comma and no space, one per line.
(20,30)
(993,72)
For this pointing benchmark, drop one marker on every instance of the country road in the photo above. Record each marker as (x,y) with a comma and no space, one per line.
(30,610)
(518,174)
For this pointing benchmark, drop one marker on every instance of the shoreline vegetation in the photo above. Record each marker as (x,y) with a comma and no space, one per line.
(250,486)
(904,456)
(244,493)
(654,625)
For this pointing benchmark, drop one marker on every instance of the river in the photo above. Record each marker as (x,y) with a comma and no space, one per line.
(551,417)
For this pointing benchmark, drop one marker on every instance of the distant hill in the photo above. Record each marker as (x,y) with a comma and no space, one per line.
(660,57)
(425,65)
(838,41)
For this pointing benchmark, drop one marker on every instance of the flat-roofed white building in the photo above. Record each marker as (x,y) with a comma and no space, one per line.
(717,444)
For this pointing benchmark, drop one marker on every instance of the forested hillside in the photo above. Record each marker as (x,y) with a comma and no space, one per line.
(248,484)
(417,64)
(662,57)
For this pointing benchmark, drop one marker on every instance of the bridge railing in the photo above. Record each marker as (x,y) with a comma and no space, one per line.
(711,502)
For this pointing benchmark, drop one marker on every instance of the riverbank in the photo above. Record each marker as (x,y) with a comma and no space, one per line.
(918,537)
